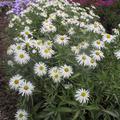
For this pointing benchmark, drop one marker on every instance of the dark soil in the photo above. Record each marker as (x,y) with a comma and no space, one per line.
(8,99)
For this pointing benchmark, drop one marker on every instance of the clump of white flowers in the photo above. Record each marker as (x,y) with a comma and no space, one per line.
(54,45)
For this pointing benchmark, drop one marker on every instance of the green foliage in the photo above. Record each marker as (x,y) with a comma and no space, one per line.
(51,100)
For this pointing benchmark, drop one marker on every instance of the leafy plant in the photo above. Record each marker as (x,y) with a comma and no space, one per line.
(62,63)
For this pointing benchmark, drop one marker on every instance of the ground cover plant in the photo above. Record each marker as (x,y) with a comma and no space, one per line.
(63,63)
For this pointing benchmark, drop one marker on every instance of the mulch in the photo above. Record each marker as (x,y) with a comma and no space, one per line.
(8,99)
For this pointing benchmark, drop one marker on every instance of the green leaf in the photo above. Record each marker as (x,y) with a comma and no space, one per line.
(75,76)
(64,109)
(92,107)
(76,115)
(114,114)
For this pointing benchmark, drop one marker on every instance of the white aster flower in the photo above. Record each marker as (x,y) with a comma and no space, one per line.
(18,47)
(40,69)
(75,49)
(66,71)
(21,57)
(71,31)
(98,44)
(117,54)
(55,74)
(46,52)
(21,115)
(93,63)
(116,31)
(83,59)
(15,82)
(83,45)
(48,28)
(62,39)
(11,49)
(48,43)
(26,32)
(26,88)
(97,55)
(10,63)
(108,38)
(82,95)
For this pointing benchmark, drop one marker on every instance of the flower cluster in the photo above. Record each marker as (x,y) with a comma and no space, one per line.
(54,41)
(20,5)
(6,3)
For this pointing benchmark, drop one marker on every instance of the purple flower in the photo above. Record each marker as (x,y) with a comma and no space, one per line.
(20,5)
(5,3)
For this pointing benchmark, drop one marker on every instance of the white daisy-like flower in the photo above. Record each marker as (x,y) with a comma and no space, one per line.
(75,49)
(18,47)
(93,63)
(62,39)
(26,32)
(66,71)
(40,69)
(84,45)
(48,28)
(15,82)
(26,88)
(117,54)
(97,55)
(48,43)
(83,59)
(82,95)
(11,49)
(98,44)
(21,57)
(46,52)
(55,74)
(21,115)
(116,31)
(108,38)
(27,42)
(10,63)
(71,31)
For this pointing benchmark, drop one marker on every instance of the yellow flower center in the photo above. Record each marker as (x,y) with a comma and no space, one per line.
(84,57)
(21,115)
(41,67)
(83,94)
(26,87)
(21,56)
(108,36)
(97,53)
(98,42)
(18,47)
(62,38)
(27,44)
(66,69)
(46,50)
(56,76)
(92,60)
(16,81)
(27,33)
